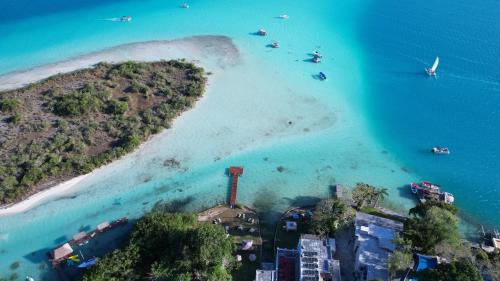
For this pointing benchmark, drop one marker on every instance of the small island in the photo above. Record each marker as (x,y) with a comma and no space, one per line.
(69,124)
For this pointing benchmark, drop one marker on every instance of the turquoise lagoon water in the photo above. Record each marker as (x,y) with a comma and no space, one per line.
(244,120)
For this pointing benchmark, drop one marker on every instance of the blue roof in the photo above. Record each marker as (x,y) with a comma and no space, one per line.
(425,262)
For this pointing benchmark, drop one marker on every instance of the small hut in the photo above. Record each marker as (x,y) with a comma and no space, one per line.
(103,226)
(61,253)
(79,237)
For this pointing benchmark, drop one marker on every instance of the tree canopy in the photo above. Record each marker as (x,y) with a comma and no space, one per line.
(431,225)
(454,271)
(331,215)
(169,247)
(368,195)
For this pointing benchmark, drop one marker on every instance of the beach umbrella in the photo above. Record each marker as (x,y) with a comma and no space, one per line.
(252,257)
(246,245)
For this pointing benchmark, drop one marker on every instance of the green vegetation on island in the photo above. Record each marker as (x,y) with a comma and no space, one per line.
(167,246)
(70,124)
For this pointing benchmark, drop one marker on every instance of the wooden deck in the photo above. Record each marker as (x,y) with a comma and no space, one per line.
(234,172)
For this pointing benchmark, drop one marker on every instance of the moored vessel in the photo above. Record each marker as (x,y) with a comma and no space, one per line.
(125,18)
(440,150)
(430,191)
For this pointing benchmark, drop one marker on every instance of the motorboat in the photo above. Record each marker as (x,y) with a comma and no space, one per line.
(261,32)
(322,76)
(440,150)
(428,190)
(316,59)
(185,6)
(432,70)
(316,54)
(275,45)
(285,17)
(29,278)
(414,188)
(125,18)
(448,198)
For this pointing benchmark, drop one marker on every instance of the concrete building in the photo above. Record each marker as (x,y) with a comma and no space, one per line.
(374,243)
(313,260)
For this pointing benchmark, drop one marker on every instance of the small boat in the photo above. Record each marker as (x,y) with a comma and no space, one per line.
(414,188)
(29,278)
(261,32)
(432,70)
(448,198)
(275,45)
(125,18)
(316,54)
(185,6)
(88,263)
(316,59)
(285,17)
(322,76)
(440,150)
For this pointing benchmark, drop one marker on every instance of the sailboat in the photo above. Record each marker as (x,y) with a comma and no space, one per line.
(432,71)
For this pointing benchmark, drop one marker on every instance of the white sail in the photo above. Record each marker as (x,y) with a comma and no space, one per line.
(435,65)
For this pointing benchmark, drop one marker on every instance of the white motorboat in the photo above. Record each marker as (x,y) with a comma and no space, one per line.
(440,150)
(125,18)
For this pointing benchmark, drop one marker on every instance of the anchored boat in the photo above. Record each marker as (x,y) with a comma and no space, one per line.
(322,76)
(262,32)
(429,191)
(125,18)
(440,150)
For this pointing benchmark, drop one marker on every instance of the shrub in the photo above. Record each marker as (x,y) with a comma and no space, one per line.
(9,104)
(137,87)
(117,107)
(40,125)
(15,119)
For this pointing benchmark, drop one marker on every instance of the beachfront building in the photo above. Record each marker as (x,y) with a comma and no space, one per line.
(374,243)
(313,260)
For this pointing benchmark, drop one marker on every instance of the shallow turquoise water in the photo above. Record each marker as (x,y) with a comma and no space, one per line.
(274,86)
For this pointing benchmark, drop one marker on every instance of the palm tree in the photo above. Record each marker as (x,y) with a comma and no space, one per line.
(380,194)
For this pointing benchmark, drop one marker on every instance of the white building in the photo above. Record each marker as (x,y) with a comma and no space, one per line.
(313,260)
(374,243)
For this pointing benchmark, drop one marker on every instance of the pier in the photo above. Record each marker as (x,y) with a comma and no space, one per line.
(234,172)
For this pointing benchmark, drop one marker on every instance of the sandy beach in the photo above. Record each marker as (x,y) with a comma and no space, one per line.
(190,48)
(34,200)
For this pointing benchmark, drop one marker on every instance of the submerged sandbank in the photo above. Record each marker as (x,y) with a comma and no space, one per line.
(189,48)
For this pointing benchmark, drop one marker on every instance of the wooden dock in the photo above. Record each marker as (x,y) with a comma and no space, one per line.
(234,172)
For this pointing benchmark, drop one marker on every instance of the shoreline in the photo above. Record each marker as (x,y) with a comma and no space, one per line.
(169,50)
(183,48)
(38,197)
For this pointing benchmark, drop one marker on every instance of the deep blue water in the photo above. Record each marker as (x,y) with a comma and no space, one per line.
(411,112)
(13,10)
